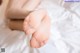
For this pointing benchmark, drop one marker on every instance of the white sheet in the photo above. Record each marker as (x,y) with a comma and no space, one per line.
(65,30)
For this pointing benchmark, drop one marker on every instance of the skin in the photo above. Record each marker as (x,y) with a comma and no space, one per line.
(40,29)
(36,22)
(19,9)
(15,24)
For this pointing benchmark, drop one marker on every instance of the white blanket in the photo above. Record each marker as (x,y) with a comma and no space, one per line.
(65,30)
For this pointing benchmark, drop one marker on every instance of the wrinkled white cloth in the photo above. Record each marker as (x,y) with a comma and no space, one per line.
(65,30)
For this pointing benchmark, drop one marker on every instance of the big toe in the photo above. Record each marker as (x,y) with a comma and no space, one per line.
(37,44)
(34,43)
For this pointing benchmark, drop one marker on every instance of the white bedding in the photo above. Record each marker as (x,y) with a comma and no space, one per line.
(65,30)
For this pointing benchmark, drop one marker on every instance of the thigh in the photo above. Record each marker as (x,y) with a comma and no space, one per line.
(19,9)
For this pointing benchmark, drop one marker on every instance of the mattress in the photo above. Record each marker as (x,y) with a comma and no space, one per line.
(65,30)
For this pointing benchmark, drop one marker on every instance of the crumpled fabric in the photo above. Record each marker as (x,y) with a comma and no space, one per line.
(65,30)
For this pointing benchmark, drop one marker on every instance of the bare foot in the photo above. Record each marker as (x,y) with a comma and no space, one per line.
(37,23)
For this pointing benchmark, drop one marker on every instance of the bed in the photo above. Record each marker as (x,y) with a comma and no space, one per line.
(65,30)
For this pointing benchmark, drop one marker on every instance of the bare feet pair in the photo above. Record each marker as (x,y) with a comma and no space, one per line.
(37,23)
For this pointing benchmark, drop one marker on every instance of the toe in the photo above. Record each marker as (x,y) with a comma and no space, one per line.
(41,38)
(27,28)
(34,43)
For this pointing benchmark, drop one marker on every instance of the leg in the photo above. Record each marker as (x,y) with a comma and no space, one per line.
(19,9)
(15,24)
